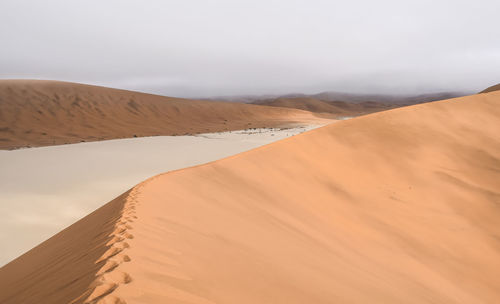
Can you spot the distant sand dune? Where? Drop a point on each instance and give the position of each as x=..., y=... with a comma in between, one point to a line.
x=41, y=113
x=337, y=108
x=491, y=89
x=399, y=206
x=350, y=105
x=67, y=261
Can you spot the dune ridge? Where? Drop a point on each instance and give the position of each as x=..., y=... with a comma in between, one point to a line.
x=400, y=206
x=109, y=277
x=42, y=112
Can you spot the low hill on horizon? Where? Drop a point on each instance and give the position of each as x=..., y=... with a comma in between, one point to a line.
x=337, y=108
x=400, y=206
x=350, y=105
x=42, y=112
x=390, y=99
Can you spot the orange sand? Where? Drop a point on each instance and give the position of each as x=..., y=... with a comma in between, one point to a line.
x=399, y=206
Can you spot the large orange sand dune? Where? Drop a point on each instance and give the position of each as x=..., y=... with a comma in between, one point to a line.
x=42, y=112
x=400, y=206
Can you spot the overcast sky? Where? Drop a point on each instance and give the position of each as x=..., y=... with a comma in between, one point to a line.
x=204, y=48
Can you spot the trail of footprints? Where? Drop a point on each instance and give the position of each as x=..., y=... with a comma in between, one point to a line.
x=109, y=277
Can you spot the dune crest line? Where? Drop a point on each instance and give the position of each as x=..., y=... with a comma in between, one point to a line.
x=110, y=277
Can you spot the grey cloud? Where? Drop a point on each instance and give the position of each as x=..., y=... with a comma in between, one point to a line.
x=204, y=47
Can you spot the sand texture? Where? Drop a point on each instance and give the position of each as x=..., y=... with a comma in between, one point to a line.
x=400, y=206
x=42, y=113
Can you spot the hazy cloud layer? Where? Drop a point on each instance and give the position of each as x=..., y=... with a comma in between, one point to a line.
x=201, y=48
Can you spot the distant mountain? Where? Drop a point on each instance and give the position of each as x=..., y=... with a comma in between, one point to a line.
x=347, y=104
x=338, y=108
x=402, y=99
x=240, y=98
x=386, y=98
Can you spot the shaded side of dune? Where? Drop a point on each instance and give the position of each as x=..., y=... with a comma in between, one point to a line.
x=41, y=113
x=64, y=268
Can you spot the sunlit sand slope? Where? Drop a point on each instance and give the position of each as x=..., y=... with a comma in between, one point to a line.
x=400, y=206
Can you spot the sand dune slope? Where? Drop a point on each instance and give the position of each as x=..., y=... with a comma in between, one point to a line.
x=41, y=113
x=491, y=89
x=400, y=206
x=337, y=108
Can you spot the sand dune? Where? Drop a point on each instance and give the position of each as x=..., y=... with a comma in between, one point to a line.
x=337, y=108
x=491, y=89
x=41, y=113
x=400, y=206
x=45, y=190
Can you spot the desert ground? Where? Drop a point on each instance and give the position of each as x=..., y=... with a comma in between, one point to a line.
x=45, y=190
x=399, y=206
